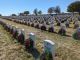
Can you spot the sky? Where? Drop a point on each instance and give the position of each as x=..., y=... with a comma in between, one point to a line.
x=8, y=7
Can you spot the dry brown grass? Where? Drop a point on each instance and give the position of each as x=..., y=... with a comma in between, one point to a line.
x=10, y=49
x=67, y=48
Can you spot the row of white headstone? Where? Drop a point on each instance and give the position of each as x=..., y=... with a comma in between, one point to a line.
x=39, y=18
x=49, y=46
x=62, y=25
x=44, y=18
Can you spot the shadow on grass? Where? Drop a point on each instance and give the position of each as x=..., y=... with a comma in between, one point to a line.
x=68, y=35
x=65, y=35
x=35, y=53
x=59, y=34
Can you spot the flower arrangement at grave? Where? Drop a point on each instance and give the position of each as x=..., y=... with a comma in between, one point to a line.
x=62, y=30
x=23, y=21
x=37, y=25
x=51, y=28
x=43, y=27
x=76, y=34
x=30, y=42
x=32, y=24
x=21, y=36
x=58, y=24
x=7, y=27
x=67, y=23
x=76, y=24
x=48, y=55
x=28, y=24
x=15, y=33
x=47, y=23
x=12, y=29
x=27, y=44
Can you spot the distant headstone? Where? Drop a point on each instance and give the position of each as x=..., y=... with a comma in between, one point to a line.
x=67, y=23
x=76, y=34
x=62, y=30
x=37, y=26
x=32, y=24
x=51, y=28
x=43, y=27
x=28, y=24
x=76, y=24
x=58, y=23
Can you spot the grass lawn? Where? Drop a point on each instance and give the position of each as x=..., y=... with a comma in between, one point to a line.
x=10, y=49
x=67, y=48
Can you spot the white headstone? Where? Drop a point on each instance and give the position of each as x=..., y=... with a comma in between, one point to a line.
x=76, y=22
x=52, y=25
x=22, y=31
x=78, y=30
x=63, y=26
x=67, y=22
x=49, y=46
x=32, y=37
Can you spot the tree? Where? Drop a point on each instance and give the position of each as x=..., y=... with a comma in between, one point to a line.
x=39, y=12
x=26, y=13
x=0, y=14
x=51, y=10
x=13, y=15
x=74, y=7
x=21, y=14
x=35, y=11
x=57, y=9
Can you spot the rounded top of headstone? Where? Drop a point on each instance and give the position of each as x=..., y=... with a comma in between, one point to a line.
x=31, y=33
x=67, y=21
x=19, y=31
x=78, y=30
x=44, y=24
x=16, y=27
x=63, y=25
x=22, y=29
x=38, y=22
x=51, y=25
x=12, y=25
x=76, y=22
x=7, y=23
x=32, y=36
x=49, y=41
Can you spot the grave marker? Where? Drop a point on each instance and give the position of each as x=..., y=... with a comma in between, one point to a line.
x=76, y=34
x=49, y=50
x=21, y=36
x=62, y=30
x=30, y=42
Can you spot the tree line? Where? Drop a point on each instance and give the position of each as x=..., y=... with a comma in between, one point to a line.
x=39, y=12
x=73, y=7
